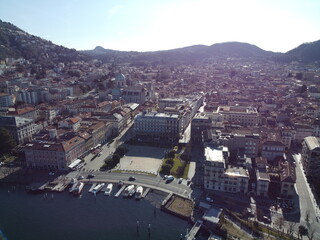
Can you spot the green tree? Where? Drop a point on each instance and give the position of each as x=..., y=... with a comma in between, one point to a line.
x=7, y=143
x=116, y=158
x=121, y=151
x=166, y=169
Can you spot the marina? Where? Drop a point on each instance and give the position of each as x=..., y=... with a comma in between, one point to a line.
x=84, y=214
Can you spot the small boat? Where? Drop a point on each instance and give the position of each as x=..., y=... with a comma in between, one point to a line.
x=108, y=189
x=92, y=187
x=139, y=192
x=78, y=189
x=73, y=187
x=128, y=190
x=132, y=192
x=97, y=188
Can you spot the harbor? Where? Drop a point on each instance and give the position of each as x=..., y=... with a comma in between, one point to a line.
x=106, y=215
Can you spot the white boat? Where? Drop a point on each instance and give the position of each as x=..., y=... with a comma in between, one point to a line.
x=139, y=192
x=92, y=187
x=132, y=192
x=128, y=190
x=78, y=188
x=97, y=188
x=73, y=187
x=108, y=189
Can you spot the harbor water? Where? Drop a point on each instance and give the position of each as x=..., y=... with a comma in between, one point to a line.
x=25, y=216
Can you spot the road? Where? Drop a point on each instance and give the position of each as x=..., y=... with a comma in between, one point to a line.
x=306, y=199
x=155, y=182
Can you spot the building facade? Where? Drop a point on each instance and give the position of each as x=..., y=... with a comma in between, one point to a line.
x=310, y=156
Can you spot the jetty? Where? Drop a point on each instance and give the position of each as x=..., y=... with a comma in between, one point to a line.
x=92, y=187
x=194, y=230
x=120, y=191
x=145, y=193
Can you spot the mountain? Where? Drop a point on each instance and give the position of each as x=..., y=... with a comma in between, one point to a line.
x=306, y=52
x=183, y=55
x=16, y=43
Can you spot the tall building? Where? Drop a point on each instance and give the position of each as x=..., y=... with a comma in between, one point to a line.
x=219, y=177
x=153, y=126
x=310, y=156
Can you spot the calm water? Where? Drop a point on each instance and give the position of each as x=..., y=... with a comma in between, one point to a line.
x=26, y=216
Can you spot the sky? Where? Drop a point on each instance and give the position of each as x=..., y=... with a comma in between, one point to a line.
x=150, y=25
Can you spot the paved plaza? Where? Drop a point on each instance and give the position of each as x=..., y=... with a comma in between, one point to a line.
x=142, y=159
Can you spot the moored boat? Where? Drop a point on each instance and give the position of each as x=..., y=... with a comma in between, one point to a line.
x=73, y=187
x=92, y=187
x=128, y=190
x=139, y=192
x=78, y=188
x=97, y=188
x=108, y=189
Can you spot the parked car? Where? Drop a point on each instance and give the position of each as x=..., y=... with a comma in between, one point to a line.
x=170, y=178
x=180, y=180
x=132, y=178
x=209, y=199
x=80, y=177
x=165, y=177
x=90, y=175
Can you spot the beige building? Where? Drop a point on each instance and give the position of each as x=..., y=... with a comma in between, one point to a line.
x=53, y=155
x=247, y=116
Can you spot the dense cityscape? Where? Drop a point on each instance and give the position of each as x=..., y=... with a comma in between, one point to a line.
x=231, y=142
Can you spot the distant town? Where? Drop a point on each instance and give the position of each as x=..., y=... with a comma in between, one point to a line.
x=236, y=137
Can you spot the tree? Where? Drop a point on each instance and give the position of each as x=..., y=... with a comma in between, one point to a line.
x=166, y=169
x=303, y=231
x=116, y=158
x=121, y=151
x=7, y=143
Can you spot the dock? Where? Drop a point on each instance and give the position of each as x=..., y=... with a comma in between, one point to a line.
x=194, y=230
x=92, y=187
x=120, y=191
x=164, y=202
x=145, y=193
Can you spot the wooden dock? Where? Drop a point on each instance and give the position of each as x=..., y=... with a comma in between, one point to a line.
x=194, y=230
x=145, y=193
x=120, y=191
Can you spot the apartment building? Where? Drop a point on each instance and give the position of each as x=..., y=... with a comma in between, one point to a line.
x=199, y=123
x=310, y=156
x=6, y=100
x=247, y=116
x=52, y=154
x=272, y=149
x=21, y=129
x=219, y=177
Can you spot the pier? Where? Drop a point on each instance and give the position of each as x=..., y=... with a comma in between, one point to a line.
x=120, y=191
x=92, y=187
x=145, y=193
x=194, y=230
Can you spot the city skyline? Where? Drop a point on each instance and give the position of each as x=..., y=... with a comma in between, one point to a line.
x=162, y=25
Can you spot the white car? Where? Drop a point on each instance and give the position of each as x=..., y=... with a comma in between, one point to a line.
x=180, y=180
x=51, y=173
x=209, y=199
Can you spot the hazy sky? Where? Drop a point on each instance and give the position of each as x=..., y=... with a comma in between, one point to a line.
x=148, y=25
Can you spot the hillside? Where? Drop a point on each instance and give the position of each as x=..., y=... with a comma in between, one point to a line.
x=306, y=52
x=16, y=43
x=189, y=54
